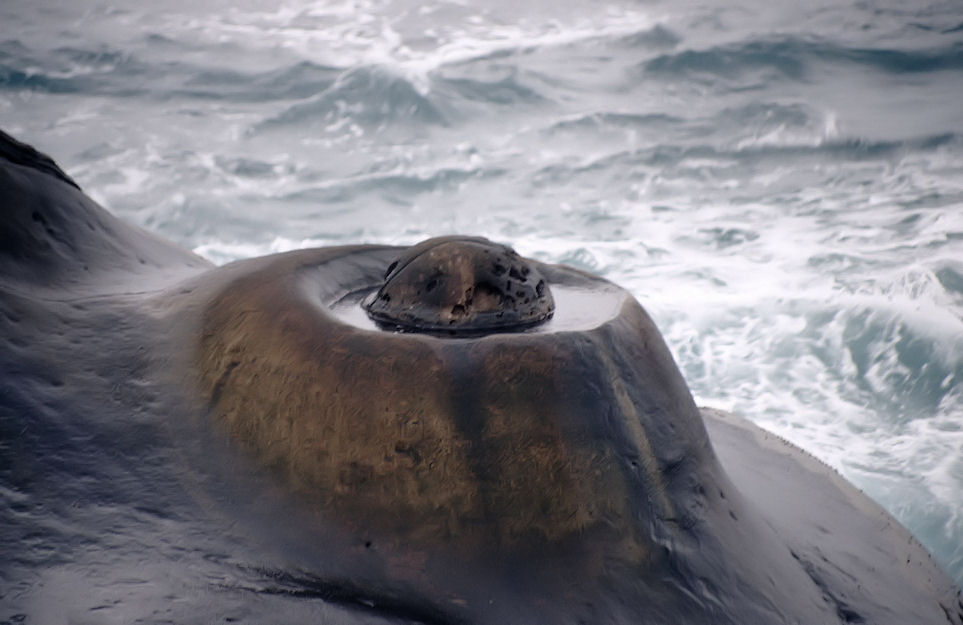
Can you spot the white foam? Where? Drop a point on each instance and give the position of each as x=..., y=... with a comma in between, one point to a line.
x=353, y=33
x=783, y=280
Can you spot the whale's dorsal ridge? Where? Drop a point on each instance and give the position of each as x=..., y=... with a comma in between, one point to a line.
x=22, y=154
x=52, y=235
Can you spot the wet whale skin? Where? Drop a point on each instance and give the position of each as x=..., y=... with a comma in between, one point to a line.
x=189, y=443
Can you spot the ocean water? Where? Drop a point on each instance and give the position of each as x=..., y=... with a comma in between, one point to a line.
x=779, y=183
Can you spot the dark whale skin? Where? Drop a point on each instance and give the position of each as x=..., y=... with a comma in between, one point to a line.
x=188, y=443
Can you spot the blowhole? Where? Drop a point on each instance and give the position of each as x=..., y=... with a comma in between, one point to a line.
x=475, y=287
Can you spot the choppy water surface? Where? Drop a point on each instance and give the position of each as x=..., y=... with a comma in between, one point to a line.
x=779, y=183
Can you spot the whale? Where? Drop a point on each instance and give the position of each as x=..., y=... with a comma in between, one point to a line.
x=442, y=433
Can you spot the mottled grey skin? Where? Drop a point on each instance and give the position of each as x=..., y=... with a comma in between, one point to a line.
x=317, y=471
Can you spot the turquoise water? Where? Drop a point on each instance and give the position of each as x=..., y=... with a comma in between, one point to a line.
x=779, y=183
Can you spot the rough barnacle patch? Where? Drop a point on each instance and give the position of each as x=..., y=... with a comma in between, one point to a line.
x=461, y=285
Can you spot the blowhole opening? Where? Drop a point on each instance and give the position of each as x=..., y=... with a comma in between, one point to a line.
x=461, y=285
